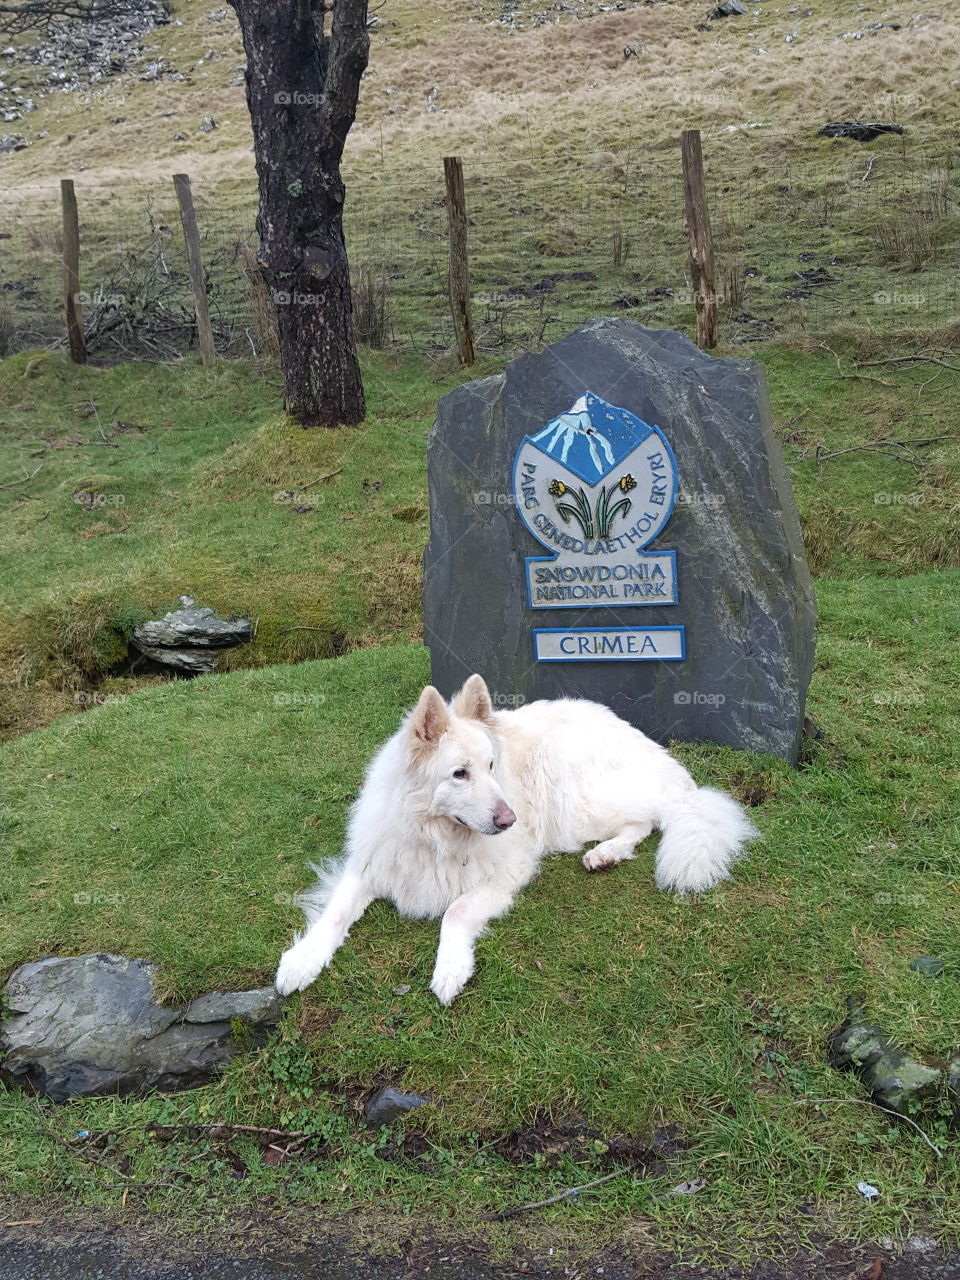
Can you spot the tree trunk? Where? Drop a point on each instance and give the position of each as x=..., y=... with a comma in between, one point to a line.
x=302, y=88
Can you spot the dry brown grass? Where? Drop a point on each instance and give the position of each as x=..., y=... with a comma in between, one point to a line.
x=561, y=94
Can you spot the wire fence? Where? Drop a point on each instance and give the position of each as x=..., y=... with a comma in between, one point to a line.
x=865, y=237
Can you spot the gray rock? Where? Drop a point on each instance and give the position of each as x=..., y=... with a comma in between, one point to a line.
x=190, y=627
x=389, y=1104
x=896, y=1078
x=745, y=595
x=858, y=130
x=84, y=1025
x=264, y=1004
x=207, y=125
x=195, y=661
x=728, y=9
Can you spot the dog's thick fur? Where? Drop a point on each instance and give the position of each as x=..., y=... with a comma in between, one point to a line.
x=459, y=806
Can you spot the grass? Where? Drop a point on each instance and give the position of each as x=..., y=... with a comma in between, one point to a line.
x=143, y=482
x=597, y=997
x=192, y=481
x=149, y=825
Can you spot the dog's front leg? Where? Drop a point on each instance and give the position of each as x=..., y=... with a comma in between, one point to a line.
x=463, y=922
x=302, y=962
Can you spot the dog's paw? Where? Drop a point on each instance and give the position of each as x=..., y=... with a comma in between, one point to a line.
x=297, y=970
x=449, y=979
x=600, y=859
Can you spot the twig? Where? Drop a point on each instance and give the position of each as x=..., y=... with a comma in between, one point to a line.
x=23, y=481
x=793, y=421
x=321, y=479
x=861, y=377
x=234, y=1128
x=866, y=174
x=540, y=1204
x=868, y=1102
x=914, y=359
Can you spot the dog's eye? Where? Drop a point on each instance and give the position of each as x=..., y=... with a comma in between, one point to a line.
x=460, y=774
x=491, y=766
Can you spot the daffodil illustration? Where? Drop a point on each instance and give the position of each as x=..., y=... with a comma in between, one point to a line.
x=606, y=514
x=578, y=506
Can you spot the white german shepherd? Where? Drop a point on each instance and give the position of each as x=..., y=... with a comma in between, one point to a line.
x=460, y=805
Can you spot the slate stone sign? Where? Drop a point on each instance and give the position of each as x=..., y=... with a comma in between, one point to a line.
x=612, y=519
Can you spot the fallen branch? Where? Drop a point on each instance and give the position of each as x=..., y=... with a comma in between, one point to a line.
x=233, y=1128
x=563, y=1195
x=321, y=479
x=793, y=421
x=912, y=359
x=23, y=481
x=846, y=377
x=868, y=1102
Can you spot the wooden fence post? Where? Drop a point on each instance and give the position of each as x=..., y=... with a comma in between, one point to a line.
x=71, y=272
x=459, y=274
x=702, y=266
x=195, y=263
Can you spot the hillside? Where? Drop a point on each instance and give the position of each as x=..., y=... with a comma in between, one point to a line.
x=512, y=85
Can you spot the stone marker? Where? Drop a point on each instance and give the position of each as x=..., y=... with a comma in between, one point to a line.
x=85, y=1025
x=612, y=519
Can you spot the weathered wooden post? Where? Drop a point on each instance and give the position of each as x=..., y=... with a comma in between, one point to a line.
x=198, y=287
x=697, y=214
x=459, y=274
x=71, y=272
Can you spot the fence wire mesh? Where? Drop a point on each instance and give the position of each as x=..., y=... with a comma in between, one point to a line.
x=870, y=238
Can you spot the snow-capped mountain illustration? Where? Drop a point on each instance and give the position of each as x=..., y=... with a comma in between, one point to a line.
x=592, y=437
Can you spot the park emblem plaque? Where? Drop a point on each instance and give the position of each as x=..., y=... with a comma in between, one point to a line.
x=611, y=518
x=595, y=486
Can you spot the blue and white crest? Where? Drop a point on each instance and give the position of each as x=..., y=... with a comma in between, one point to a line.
x=592, y=438
x=595, y=486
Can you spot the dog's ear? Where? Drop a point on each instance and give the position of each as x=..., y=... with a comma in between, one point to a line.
x=428, y=722
x=473, y=701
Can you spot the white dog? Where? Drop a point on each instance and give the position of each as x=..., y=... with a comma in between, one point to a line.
x=460, y=805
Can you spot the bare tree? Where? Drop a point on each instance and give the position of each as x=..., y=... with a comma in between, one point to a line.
x=304, y=65
x=28, y=14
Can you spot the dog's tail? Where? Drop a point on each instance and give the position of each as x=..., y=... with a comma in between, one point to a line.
x=704, y=831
